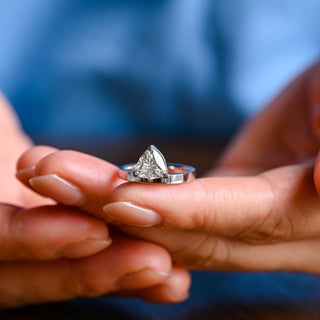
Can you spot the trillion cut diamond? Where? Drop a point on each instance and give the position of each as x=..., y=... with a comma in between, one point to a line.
x=151, y=165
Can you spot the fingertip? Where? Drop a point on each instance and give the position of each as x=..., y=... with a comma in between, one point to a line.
x=69, y=177
x=64, y=232
x=30, y=158
x=144, y=205
x=94, y=176
x=174, y=290
x=142, y=278
x=59, y=189
x=24, y=175
x=145, y=254
x=179, y=282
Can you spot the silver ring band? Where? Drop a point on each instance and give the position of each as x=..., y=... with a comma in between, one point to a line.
x=152, y=167
x=177, y=173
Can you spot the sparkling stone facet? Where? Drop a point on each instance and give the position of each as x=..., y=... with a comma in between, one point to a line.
x=151, y=165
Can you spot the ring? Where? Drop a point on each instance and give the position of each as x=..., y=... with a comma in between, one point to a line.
x=153, y=168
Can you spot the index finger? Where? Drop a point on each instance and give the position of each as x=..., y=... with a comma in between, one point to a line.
x=69, y=177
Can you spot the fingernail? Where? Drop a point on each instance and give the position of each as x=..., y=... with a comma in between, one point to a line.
x=129, y=213
x=54, y=187
x=25, y=174
x=142, y=279
x=84, y=248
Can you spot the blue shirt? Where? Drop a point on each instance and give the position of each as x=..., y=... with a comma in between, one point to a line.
x=119, y=68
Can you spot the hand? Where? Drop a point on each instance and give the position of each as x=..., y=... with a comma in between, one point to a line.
x=51, y=252
x=266, y=221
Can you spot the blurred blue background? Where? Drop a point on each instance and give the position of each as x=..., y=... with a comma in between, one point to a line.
x=108, y=70
x=80, y=72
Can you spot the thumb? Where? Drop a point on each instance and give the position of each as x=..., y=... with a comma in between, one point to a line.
x=223, y=206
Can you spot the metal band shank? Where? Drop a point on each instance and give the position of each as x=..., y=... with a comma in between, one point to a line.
x=177, y=173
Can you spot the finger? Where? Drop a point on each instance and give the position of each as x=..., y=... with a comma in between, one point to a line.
x=280, y=204
x=286, y=132
x=209, y=252
x=37, y=282
x=258, y=208
x=50, y=232
x=173, y=289
x=25, y=167
x=72, y=178
x=26, y=162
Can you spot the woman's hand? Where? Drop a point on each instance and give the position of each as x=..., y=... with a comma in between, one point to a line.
x=267, y=219
x=53, y=252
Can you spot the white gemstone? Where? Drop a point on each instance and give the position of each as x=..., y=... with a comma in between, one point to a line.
x=151, y=165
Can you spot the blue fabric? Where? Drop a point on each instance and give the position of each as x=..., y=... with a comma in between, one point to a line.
x=214, y=295
x=114, y=68
x=212, y=291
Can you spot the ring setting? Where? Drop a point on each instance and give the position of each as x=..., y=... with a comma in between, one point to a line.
x=153, y=168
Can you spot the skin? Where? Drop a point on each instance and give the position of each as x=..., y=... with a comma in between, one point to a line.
x=51, y=252
x=258, y=209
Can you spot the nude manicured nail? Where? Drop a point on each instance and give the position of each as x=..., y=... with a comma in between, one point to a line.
x=142, y=278
x=54, y=187
x=25, y=174
x=129, y=213
x=84, y=248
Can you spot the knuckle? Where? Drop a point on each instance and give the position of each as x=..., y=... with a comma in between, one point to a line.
x=85, y=282
x=274, y=225
x=272, y=229
x=219, y=255
x=206, y=252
